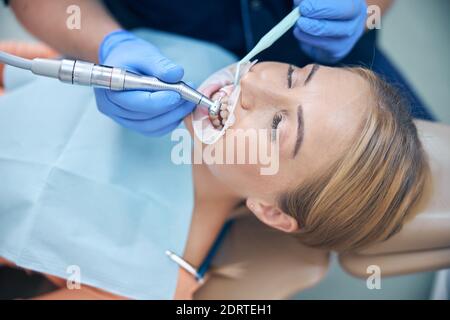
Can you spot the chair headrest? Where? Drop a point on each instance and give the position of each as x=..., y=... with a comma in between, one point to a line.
x=423, y=243
x=268, y=264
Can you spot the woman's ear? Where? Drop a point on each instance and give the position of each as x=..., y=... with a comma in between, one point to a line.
x=271, y=215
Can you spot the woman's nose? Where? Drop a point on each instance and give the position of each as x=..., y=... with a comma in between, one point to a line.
x=247, y=102
x=254, y=91
x=245, y=79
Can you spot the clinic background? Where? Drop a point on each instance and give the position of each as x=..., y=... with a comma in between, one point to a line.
x=416, y=36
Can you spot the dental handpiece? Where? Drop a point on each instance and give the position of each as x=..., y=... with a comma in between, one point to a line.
x=89, y=74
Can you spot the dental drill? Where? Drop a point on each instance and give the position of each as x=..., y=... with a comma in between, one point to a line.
x=89, y=74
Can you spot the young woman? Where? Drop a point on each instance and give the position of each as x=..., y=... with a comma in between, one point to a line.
x=351, y=173
x=351, y=165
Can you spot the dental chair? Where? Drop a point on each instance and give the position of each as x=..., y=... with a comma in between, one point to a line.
x=424, y=243
x=273, y=265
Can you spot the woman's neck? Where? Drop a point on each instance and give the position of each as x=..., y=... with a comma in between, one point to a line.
x=209, y=189
x=214, y=203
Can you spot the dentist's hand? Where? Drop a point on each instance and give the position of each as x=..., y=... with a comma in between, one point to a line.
x=150, y=113
x=328, y=29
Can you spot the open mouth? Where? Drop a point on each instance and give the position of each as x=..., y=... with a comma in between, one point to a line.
x=223, y=96
x=218, y=87
x=210, y=128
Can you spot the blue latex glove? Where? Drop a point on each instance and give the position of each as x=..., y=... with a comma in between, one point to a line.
x=328, y=29
x=150, y=113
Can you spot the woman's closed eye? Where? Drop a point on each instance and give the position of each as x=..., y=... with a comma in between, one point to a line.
x=276, y=120
x=278, y=117
x=289, y=76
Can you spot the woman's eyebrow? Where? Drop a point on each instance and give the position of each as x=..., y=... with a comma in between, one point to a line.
x=300, y=131
x=311, y=74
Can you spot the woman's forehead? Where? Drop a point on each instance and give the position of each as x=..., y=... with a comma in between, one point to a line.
x=333, y=109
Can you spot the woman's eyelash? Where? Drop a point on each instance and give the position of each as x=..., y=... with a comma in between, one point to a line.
x=289, y=75
x=278, y=117
x=276, y=121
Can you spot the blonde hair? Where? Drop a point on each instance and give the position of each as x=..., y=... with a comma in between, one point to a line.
x=372, y=190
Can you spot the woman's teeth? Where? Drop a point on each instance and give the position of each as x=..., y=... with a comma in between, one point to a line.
x=224, y=114
x=219, y=121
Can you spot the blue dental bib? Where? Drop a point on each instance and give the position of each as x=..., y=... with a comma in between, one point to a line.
x=80, y=193
x=78, y=190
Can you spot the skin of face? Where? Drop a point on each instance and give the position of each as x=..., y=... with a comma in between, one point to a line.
x=333, y=102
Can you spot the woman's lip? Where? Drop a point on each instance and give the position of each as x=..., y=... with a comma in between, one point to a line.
x=210, y=89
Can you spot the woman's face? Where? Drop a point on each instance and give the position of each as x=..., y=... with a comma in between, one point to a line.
x=316, y=112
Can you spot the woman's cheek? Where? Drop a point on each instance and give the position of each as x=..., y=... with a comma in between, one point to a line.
x=244, y=179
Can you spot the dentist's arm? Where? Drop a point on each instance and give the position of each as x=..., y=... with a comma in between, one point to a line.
x=46, y=19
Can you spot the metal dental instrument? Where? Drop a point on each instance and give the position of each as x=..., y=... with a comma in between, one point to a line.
x=90, y=74
x=268, y=39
